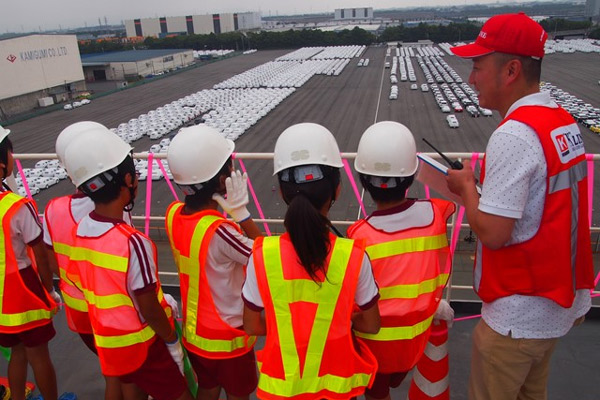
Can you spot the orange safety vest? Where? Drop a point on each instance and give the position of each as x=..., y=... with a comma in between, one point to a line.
x=100, y=265
x=204, y=332
x=309, y=351
x=411, y=268
x=60, y=223
x=557, y=260
x=20, y=308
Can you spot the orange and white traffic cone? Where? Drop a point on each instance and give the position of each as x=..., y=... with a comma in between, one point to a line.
x=430, y=380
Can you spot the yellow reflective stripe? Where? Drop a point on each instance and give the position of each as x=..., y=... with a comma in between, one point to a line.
x=113, y=342
x=289, y=388
x=18, y=319
x=191, y=266
x=106, y=302
x=402, y=246
x=61, y=248
x=282, y=293
x=412, y=291
x=99, y=259
x=218, y=345
x=14, y=319
x=75, y=304
x=398, y=333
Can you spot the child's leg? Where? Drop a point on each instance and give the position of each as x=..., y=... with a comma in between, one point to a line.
x=130, y=391
x=43, y=370
x=208, y=394
x=112, y=389
x=17, y=372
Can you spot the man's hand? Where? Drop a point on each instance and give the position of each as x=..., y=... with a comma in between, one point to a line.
x=461, y=181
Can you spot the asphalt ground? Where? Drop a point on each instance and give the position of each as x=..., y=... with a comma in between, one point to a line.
x=346, y=104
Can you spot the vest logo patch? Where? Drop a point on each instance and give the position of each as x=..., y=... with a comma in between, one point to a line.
x=568, y=142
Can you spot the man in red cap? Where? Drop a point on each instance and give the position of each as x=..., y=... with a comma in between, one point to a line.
x=533, y=268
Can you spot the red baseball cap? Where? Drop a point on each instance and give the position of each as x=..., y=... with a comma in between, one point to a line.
x=507, y=33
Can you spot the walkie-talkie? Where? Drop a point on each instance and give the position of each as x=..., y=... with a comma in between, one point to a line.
x=453, y=164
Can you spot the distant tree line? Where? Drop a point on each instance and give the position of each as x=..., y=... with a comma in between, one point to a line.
x=264, y=40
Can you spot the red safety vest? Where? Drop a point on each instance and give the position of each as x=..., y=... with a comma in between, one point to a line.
x=204, y=332
x=100, y=265
x=20, y=308
x=411, y=268
x=309, y=351
x=61, y=223
x=557, y=260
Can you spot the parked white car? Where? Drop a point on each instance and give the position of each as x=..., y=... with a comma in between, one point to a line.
x=452, y=121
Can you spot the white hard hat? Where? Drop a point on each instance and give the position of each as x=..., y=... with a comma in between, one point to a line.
x=196, y=154
x=306, y=144
x=387, y=149
x=3, y=133
x=92, y=153
x=66, y=136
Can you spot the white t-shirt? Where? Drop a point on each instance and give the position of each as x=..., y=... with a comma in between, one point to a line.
x=228, y=252
x=366, y=289
x=142, y=268
x=410, y=214
x=25, y=230
x=515, y=187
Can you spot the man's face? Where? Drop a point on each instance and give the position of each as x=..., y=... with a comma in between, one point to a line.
x=485, y=77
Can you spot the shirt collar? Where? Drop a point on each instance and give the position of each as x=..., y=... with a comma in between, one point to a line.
x=536, y=99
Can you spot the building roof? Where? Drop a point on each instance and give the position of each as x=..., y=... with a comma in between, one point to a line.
x=127, y=56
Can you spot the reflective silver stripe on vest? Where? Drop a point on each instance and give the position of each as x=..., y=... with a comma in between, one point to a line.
x=567, y=179
x=477, y=272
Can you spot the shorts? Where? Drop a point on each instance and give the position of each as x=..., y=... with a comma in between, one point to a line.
x=35, y=336
x=383, y=383
x=88, y=340
x=237, y=376
x=158, y=376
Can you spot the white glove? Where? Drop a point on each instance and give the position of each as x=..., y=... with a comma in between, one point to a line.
x=177, y=353
x=173, y=304
x=56, y=297
x=237, y=196
x=445, y=312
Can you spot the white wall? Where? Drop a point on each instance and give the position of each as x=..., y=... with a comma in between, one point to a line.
x=37, y=62
x=176, y=24
x=203, y=24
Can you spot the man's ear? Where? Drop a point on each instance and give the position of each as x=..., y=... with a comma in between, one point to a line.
x=513, y=69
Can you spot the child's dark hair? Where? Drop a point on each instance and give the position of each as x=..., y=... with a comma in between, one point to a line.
x=202, y=194
x=307, y=227
x=397, y=191
x=113, y=180
x=5, y=147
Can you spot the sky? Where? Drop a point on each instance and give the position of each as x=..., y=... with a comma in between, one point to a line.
x=33, y=15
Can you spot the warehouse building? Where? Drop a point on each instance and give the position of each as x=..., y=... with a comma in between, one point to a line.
x=353, y=13
x=193, y=24
x=37, y=71
x=125, y=66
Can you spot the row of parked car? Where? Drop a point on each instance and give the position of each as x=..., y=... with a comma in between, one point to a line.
x=76, y=104
x=585, y=113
